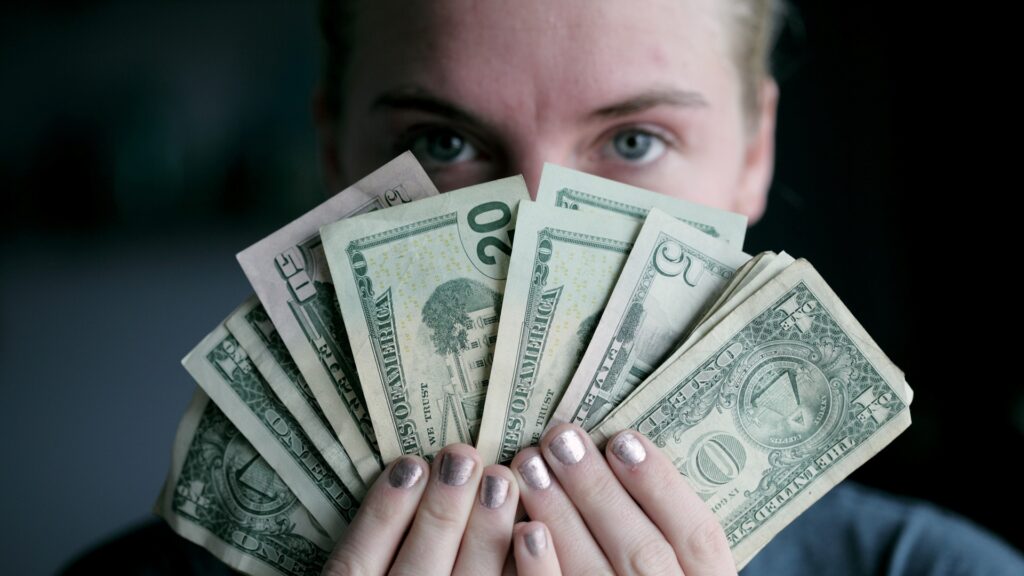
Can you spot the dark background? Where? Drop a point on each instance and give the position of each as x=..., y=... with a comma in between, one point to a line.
x=144, y=143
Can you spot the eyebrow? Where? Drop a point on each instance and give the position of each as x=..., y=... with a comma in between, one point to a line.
x=652, y=99
x=412, y=98
x=415, y=98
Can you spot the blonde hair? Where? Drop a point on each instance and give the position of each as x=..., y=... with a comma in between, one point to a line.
x=756, y=26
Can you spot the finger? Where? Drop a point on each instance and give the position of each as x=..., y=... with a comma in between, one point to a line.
x=485, y=544
x=534, y=552
x=669, y=501
x=544, y=501
x=630, y=540
x=370, y=542
x=442, y=515
x=509, y=569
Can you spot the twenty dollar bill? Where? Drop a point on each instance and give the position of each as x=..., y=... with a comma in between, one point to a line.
x=563, y=268
x=420, y=288
x=564, y=188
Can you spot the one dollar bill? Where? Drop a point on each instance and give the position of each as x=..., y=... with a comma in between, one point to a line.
x=773, y=407
x=223, y=370
x=251, y=326
x=222, y=495
x=289, y=273
x=420, y=288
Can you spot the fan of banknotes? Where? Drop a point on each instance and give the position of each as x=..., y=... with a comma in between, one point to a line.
x=393, y=320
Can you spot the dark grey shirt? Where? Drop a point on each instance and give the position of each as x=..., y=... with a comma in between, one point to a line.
x=852, y=530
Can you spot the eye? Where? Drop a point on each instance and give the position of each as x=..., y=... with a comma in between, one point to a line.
x=635, y=146
x=440, y=147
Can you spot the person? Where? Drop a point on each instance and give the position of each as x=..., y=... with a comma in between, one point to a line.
x=676, y=96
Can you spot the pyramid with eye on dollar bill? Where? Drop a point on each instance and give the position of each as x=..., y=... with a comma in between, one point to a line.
x=394, y=320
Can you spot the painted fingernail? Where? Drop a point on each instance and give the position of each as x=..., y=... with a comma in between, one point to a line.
x=456, y=469
x=568, y=447
x=628, y=448
x=535, y=473
x=536, y=540
x=494, y=491
x=405, y=473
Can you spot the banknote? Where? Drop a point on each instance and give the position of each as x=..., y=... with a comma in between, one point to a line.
x=289, y=274
x=762, y=268
x=223, y=370
x=738, y=279
x=420, y=289
x=251, y=326
x=671, y=275
x=773, y=407
x=565, y=188
x=222, y=495
x=766, y=266
x=564, y=266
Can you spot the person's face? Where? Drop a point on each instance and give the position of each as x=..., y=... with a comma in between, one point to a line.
x=640, y=92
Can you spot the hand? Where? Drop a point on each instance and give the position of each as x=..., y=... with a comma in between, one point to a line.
x=629, y=513
x=456, y=524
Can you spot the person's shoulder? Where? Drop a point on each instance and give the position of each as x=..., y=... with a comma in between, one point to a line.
x=854, y=529
x=149, y=549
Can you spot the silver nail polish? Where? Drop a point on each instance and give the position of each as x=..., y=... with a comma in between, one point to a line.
x=535, y=473
x=628, y=448
x=456, y=469
x=405, y=473
x=536, y=540
x=568, y=447
x=494, y=491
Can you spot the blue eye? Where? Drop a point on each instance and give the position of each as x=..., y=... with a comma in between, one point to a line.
x=636, y=146
x=441, y=146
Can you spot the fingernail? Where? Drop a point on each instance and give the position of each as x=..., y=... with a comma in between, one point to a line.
x=536, y=540
x=535, y=473
x=494, y=491
x=628, y=448
x=568, y=447
x=405, y=473
x=456, y=469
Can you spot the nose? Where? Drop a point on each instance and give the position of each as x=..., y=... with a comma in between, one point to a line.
x=531, y=171
x=529, y=162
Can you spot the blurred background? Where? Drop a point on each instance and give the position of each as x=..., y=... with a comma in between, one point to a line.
x=144, y=143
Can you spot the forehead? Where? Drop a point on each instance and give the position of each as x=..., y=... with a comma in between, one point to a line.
x=567, y=55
